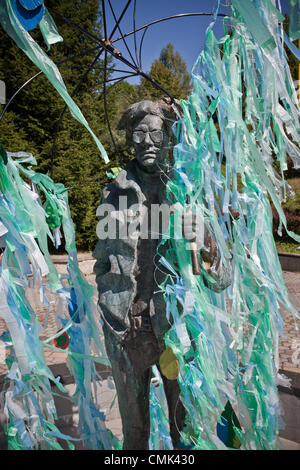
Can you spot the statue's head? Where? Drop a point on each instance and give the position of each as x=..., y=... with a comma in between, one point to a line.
x=148, y=126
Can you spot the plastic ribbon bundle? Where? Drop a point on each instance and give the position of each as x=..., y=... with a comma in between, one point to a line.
x=26, y=399
x=242, y=116
x=159, y=424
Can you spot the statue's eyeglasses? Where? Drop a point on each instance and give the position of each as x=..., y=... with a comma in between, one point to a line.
x=139, y=136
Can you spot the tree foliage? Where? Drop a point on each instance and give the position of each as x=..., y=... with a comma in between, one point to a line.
x=170, y=72
x=175, y=64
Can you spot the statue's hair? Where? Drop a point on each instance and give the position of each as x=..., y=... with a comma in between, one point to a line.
x=162, y=108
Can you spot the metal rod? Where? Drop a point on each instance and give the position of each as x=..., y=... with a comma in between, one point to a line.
x=83, y=182
x=109, y=48
x=115, y=53
x=119, y=79
x=123, y=78
x=97, y=68
x=82, y=30
x=16, y=93
x=141, y=46
x=299, y=72
x=119, y=20
x=135, y=45
x=104, y=19
x=105, y=104
x=119, y=29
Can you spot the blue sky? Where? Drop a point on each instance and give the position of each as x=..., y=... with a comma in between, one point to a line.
x=186, y=34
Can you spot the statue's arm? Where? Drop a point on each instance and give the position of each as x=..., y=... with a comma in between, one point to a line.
x=102, y=265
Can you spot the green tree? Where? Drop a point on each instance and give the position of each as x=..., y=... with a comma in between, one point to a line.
x=175, y=63
x=170, y=72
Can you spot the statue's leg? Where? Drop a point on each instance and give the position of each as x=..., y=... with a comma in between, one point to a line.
x=132, y=385
x=176, y=409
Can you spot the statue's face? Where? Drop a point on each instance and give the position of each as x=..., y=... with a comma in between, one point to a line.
x=150, y=141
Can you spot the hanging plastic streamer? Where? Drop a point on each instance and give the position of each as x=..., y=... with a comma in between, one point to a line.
x=26, y=399
x=159, y=424
x=294, y=15
x=241, y=116
x=13, y=27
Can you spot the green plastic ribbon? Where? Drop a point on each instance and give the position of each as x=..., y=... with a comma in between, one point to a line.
x=49, y=30
x=294, y=16
x=254, y=23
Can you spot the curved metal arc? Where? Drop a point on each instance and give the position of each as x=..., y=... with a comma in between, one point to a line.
x=103, y=45
x=141, y=46
x=82, y=30
x=118, y=56
x=105, y=103
x=112, y=69
x=160, y=20
x=17, y=92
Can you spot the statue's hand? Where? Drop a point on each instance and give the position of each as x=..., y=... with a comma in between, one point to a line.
x=189, y=226
x=193, y=231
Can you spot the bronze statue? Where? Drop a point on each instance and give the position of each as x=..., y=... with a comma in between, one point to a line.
x=132, y=307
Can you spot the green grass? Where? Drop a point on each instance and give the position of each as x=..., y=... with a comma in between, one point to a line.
x=283, y=247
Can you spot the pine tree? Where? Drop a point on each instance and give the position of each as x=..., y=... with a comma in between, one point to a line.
x=175, y=63
x=170, y=72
